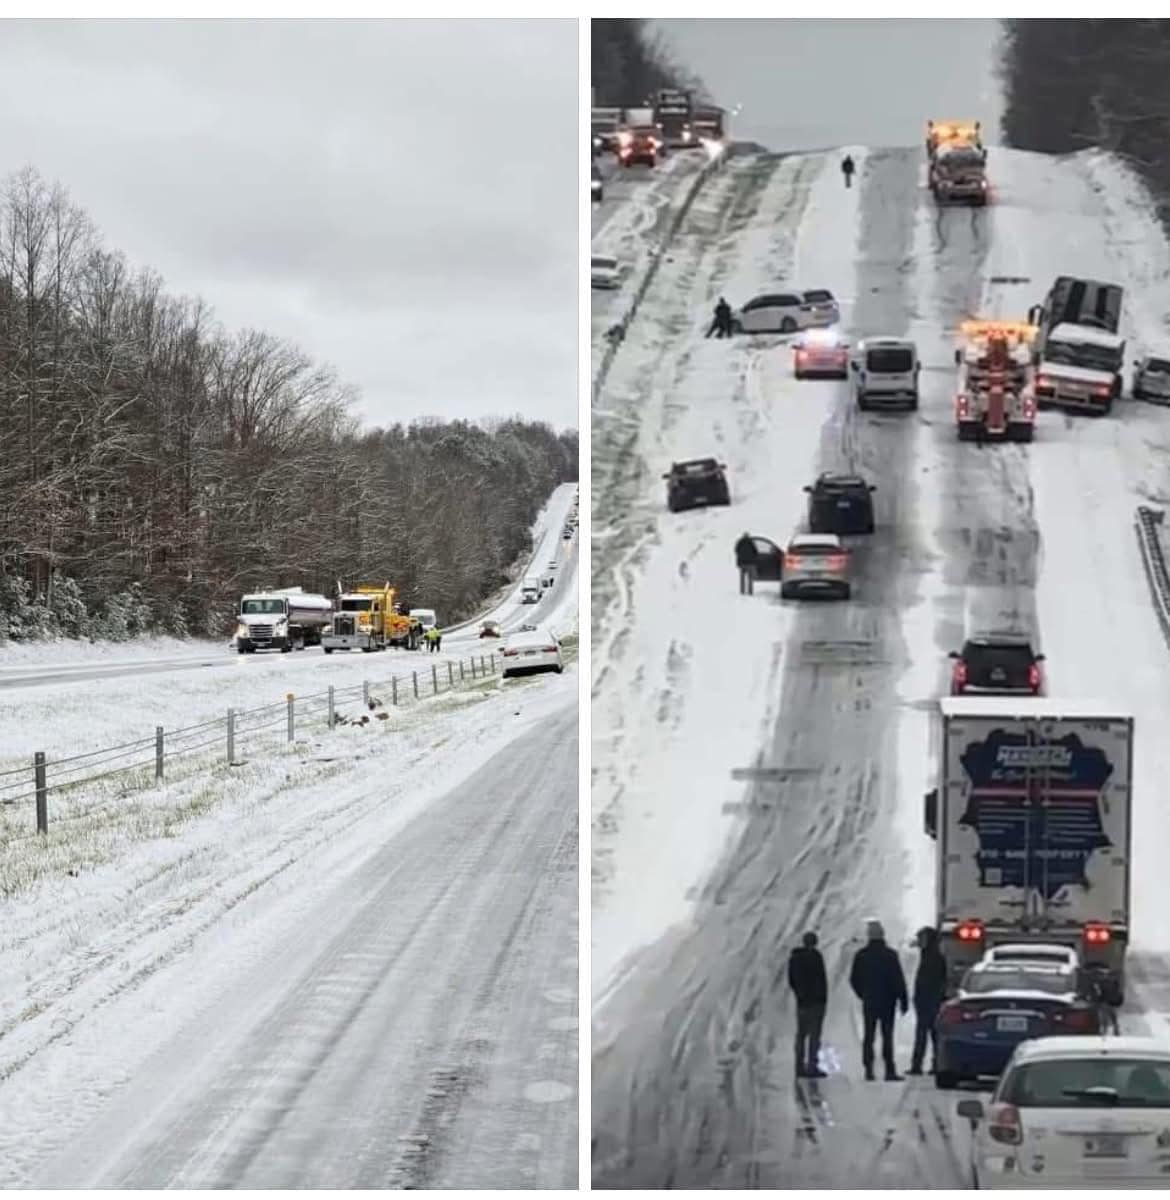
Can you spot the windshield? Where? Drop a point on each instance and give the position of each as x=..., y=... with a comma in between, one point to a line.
x=1159, y=366
x=818, y=296
x=1068, y=1083
x=606, y=264
x=354, y=605
x=423, y=614
x=1019, y=979
x=892, y=361
x=962, y=160
x=1083, y=354
x=263, y=606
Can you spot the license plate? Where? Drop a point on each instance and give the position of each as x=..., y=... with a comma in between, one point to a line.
x=530, y=653
x=997, y=674
x=843, y=504
x=1106, y=1145
x=1012, y=1024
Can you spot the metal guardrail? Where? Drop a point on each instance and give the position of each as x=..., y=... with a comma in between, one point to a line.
x=36, y=780
x=617, y=333
x=1150, y=544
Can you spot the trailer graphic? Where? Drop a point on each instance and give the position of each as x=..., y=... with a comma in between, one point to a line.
x=1035, y=806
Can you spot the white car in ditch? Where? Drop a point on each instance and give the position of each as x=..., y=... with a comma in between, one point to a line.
x=1151, y=379
x=532, y=650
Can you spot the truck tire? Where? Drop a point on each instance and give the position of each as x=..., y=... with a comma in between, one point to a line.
x=328, y=649
x=1021, y=433
x=242, y=649
x=286, y=648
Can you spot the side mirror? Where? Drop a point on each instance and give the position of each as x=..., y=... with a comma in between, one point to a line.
x=952, y=654
x=873, y=487
x=1040, y=657
x=930, y=813
x=1034, y=314
x=971, y=1109
x=806, y=488
x=667, y=475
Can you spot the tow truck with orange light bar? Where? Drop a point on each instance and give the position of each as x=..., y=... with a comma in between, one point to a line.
x=952, y=133
x=1032, y=819
x=995, y=397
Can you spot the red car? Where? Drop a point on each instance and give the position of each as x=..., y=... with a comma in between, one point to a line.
x=820, y=354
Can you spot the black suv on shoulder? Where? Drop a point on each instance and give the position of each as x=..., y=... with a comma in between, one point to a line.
x=997, y=664
x=840, y=504
x=694, y=483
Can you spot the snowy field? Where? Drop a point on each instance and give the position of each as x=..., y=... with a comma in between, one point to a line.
x=704, y=873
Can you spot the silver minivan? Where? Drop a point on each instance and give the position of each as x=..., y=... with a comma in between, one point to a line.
x=885, y=373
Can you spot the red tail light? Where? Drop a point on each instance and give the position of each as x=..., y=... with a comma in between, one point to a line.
x=548, y=649
x=1003, y=1124
x=793, y=560
x=1034, y=677
x=1097, y=935
x=800, y=355
x=1029, y=407
x=1102, y=391
x=1081, y=1020
x=960, y=674
x=962, y=405
x=1043, y=382
x=956, y=1013
x=970, y=931
x=837, y=562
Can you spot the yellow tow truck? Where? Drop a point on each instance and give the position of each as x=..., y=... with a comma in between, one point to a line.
x=368, y=618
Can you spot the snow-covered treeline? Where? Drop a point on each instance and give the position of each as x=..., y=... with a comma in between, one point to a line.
x=155, y=466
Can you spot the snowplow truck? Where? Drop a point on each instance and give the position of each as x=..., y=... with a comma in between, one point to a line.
x=285, y=619
x=958, y=175
x=367, y=619
x=953, y=133
x=995, y=398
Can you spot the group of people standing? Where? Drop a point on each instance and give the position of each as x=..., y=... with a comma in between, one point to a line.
x=878, y=982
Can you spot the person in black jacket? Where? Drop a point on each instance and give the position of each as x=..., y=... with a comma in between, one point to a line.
x=807, y=979
x=746, y=558
x=721, y=325
x=847, y=169
x=930, y=988
x=878, y=982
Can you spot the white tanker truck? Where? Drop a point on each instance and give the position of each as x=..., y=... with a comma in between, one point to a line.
x=284, y=620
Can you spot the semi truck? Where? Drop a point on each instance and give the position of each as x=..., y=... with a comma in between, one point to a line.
x=368, y=619
x=1078, y=351
x=285, y=619
x=673, y=114
x=1032, y=818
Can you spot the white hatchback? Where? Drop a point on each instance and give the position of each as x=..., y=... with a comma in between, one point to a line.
x=1076, y=1112
x=604, y=272
x=532, y=650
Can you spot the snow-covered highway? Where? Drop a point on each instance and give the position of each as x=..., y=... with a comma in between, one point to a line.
x=758, y=767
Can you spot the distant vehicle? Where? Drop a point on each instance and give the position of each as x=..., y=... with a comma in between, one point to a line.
x=940, y=134
x=997, y=664
x=532, y=649
x=885, y=373
x=1151, y=379
x=641, y=144
x=696, y=482
x=815, y=563
x=426, y=616
x=840, y=504
x=673, y=109
x=777, y=312
x=1033, y=952
x=604, y=272
x=596, y=184
x=530, y=590
x=820, y=353
x=549, y=577
x=709, y=124
x=1000, y=1005
x=958, y=175
x=490, y=629
x=1070, y=1109
x=567, y=533
x=605, y=123
x=527, y=628
x=820, y=308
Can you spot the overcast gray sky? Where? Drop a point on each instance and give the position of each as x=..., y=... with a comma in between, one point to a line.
x=806, y=84
x=400, y=198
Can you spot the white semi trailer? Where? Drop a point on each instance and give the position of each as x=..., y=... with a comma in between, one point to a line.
x=287, y=619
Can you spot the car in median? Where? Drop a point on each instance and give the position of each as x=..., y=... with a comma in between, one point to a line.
x=532, y=649
x=776, y=312
x=1075, y=1112
x=820, y=353
x=999, y=1005
x=840, y=504
x=1151, y=379
x=997, y=663
x=696, y=482
x=604, y=272
x=816, y=564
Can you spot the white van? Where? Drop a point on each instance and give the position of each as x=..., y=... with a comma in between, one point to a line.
x=885, y=373
x=530, y=590
x=426, y=616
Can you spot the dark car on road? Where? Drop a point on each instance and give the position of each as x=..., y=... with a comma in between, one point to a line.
x=696, y=482
x=997, y=664
x=840, y=504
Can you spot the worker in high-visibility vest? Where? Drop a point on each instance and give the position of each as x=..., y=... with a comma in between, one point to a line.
x=434, y=637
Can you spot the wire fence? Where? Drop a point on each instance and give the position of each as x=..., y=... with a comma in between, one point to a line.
x=143, y=761
x=1154, y=560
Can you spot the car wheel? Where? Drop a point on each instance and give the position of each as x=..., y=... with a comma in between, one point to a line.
x=946, y=1080
x=797, y=374
x=786, y=592
x=862, y=402
x=328, y=649
x=788, y=325
x=1023, y=433
x=242, y=649
x=559, y=670
x=847, y=593
x=869, y=528
x=1106, y=408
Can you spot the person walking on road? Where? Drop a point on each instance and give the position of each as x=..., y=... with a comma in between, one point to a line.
x=721, y=325
x=810, y=986
x=930, y=988
x=745, y=559
x=878, y=982
x=847, y=169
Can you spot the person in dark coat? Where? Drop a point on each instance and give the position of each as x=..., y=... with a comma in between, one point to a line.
x=746, y=558
x=878, y=982
x=847, y=169
x=810, y=986
x=930, y=988
x=721, y=325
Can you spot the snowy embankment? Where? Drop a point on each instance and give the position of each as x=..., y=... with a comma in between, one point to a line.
x=673, y=712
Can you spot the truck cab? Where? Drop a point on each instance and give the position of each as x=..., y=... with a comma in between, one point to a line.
x=530, y=590
x=1080, y=368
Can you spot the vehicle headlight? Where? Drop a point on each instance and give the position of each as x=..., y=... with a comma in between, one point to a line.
x=242, y=630
x=282, y=625
x=596, y=185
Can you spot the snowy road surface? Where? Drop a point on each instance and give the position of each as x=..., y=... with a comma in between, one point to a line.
x=404, y=1016
x=759, y=767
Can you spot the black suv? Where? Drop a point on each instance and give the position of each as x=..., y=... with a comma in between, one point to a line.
x=699, y=481
x=840, y=504
x=997, y=664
